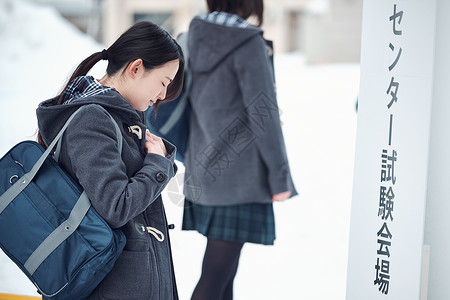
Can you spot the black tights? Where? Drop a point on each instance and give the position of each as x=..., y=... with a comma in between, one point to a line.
x=220, y=264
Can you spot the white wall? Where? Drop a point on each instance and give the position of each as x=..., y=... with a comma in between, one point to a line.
x=437, y=224
x=334, y=35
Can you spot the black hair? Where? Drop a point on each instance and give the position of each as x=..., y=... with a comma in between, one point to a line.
x=144, y=40
x=242, y=8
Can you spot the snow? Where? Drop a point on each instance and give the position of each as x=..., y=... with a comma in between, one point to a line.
x=317, y=104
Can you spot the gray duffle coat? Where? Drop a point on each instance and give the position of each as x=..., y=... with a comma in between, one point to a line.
x=124, y=189
x=236, y=152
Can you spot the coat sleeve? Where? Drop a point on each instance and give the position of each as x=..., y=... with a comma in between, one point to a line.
x=257, y=85
x=92, y=154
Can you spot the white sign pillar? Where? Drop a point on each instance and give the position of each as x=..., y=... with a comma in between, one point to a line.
x=392, y=151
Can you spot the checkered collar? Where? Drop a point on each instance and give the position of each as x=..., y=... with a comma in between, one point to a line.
x=224, y=18
x=81, y=87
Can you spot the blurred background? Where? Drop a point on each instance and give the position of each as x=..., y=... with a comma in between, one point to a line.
x=317, y=51
x=325, y=31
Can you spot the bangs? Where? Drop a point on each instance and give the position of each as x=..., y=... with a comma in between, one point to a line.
x=175, y=87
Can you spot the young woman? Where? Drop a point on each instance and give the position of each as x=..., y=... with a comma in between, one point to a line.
x=145, y=67
x=236, y=163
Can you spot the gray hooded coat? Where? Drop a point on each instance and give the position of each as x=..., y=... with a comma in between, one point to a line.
x=124, y=189
x=236, y=152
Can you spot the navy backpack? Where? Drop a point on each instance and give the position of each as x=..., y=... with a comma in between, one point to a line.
x=48, y=227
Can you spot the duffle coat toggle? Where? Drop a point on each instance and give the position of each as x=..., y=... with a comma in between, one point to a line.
x=159, y=236
x=136, y=129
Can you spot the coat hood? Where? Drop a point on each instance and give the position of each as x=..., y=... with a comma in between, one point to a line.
x=52, y=117
x=218, y=41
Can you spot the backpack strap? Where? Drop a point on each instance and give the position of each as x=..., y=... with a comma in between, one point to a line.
x=118, y=133
x=59, y=235
x=23, y=182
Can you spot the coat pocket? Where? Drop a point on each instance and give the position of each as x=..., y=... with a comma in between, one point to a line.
x=134, y=277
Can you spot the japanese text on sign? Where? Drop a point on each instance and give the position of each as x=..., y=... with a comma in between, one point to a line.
x=388, y=177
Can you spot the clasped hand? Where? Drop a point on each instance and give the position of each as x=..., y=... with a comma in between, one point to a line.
x=154, y=144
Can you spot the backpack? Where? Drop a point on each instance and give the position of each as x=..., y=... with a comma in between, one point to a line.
x=48, y=226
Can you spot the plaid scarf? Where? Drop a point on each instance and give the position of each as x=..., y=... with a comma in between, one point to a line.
x=81, y=87
x=224, y=18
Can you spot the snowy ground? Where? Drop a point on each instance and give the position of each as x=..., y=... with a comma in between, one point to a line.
x=309, y=259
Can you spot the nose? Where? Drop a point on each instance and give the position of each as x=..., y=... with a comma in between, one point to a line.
x=162, y=94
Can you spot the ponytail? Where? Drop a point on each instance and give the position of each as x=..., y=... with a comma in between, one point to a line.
x=83, y=68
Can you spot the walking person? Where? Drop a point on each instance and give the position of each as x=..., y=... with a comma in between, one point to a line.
x=145, y=67
x=236, y=162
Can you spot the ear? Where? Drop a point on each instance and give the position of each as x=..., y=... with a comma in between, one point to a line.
x=135, y=68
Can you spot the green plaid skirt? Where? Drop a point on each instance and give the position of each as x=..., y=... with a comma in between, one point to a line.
x=253, y=223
